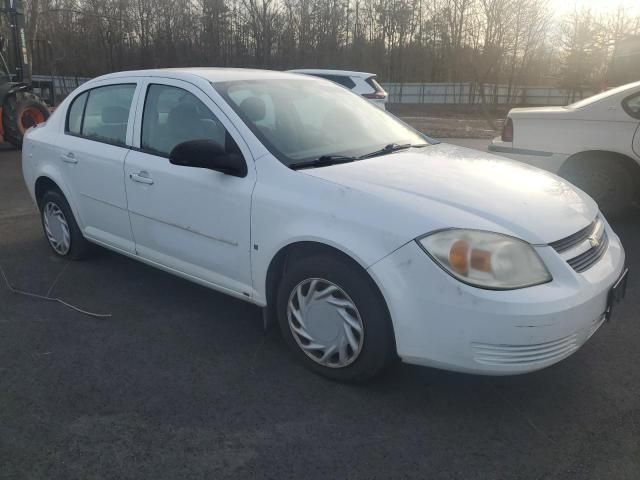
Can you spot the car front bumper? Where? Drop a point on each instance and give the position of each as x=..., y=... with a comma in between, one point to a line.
x=542, y=159
x=443, y=323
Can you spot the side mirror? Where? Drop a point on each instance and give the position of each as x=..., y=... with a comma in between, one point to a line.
x=208, y=154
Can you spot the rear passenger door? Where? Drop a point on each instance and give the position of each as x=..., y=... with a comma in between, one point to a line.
x=97, y=132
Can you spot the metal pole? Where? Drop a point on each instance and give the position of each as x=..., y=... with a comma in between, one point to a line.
x=15, y=13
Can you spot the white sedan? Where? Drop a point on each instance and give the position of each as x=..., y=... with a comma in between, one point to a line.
x=594, y=143
x=366, y=240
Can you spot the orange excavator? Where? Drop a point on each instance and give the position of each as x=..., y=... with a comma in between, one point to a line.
x=20, y=107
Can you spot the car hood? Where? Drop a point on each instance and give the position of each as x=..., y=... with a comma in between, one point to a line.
x=444, y=186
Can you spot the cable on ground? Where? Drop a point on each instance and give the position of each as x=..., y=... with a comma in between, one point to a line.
x=48, y=297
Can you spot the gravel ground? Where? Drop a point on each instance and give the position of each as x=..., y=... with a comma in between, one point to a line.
x=182, y=382
x=439, y=122
x=442, y=127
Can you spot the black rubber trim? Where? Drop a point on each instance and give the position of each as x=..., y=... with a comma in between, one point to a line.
x=519, y=151
x=97, y=140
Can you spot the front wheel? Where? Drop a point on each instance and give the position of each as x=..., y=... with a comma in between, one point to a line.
x=335, y=319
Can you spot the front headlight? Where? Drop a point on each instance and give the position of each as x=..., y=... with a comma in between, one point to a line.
x=486, y=259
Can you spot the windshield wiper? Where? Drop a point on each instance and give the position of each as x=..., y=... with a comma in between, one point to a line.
x=326, y=160
x=323, y=161
x=392, y=147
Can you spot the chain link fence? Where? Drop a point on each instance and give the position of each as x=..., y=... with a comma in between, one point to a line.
x=53, y=89
x=472, y=94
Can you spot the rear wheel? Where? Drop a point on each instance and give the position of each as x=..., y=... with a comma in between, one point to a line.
x=20, y=112
x=607, y=179
x=334, y=318
x=60, y=227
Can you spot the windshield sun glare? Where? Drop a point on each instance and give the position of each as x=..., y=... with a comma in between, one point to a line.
x=305, y=119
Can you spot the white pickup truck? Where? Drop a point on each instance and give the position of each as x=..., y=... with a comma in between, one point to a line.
x=594, y=143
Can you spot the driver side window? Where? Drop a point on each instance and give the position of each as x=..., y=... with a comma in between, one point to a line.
x=173, y=115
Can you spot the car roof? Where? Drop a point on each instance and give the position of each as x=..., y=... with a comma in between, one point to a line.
x=347, y=73
x=210, y=74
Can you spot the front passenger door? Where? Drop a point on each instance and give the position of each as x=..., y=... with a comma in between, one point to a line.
x=191, y=220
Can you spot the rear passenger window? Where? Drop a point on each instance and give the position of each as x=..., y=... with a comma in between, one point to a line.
x=173, y=115
x=102, y=114
x=107, y=113
x=74, y=117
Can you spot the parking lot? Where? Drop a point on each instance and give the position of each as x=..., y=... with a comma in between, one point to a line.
x=183, y=382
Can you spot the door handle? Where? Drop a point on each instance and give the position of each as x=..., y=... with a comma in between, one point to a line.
x=69, y=158
x=141, y=177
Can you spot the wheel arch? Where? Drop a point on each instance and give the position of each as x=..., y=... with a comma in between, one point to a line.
x=287, y=253
x=48, y=179
x=11, y=88
x=632, y=166
x=42, y=185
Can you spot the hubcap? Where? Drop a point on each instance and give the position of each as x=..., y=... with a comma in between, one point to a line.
x=57, y=228
x=325, y=323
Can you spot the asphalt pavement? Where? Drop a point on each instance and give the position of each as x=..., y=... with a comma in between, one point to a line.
x=183, y=382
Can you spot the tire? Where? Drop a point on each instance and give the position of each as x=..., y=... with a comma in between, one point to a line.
x=21, y=111
x=606, y=179
x=375, y=347
x=54, y=207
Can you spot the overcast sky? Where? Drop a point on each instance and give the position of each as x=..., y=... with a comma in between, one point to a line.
x=562, y=7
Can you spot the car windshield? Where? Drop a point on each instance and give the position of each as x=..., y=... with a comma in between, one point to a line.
x=306, y=119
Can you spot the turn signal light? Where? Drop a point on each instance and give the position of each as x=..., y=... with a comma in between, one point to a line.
x=459, y=257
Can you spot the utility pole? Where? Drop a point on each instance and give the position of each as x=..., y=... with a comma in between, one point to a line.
x=19, y=67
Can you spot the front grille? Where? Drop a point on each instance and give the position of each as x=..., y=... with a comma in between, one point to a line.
x=573, y=240
x=594, y=236
x=585, y=260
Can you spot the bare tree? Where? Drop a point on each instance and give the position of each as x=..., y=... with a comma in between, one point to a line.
x=478, y=41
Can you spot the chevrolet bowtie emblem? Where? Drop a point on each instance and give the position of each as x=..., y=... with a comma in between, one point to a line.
x=595, y=243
